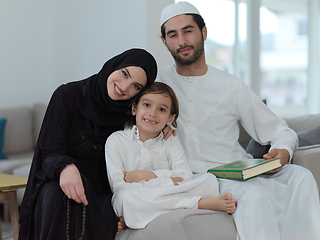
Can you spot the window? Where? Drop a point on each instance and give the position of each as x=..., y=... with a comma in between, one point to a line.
x=220, y=41
x=287, y=73
x=227, y=34
x=302, y=27
x=284, y=57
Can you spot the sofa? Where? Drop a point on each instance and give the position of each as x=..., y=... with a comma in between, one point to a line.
x=21, y=131
x=20, y=135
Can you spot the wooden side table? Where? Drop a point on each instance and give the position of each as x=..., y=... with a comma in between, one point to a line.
x=8, y=186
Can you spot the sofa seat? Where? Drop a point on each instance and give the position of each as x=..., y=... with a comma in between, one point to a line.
x=191, y=224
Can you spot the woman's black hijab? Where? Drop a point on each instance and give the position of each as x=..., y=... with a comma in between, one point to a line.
x=93, y=101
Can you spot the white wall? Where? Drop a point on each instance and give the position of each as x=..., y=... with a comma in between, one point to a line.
x=26, y=50
x=46, y=43
x=155, y=45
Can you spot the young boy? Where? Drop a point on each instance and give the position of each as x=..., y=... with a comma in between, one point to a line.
x=149, y=176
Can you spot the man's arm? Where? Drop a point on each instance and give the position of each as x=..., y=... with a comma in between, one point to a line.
x=265, y=127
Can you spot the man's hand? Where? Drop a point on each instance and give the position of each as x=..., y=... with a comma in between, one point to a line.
x=168, y=131
x=278, y=153
x=138, y=176
x=71, y=184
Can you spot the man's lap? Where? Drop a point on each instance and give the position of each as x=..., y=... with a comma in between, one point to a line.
x=274, y=200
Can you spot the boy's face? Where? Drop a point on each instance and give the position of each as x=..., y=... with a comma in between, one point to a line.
x=184, y=39
x=152, y=114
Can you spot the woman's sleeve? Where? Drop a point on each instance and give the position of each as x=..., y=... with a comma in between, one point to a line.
x=115, y=168
x=54, y=133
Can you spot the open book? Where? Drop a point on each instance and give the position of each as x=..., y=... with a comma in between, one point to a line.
x=244, y=169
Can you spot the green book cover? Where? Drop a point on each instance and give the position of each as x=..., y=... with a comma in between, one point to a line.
x=244, y=169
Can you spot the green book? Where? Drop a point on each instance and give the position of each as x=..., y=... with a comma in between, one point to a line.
x=244, y=169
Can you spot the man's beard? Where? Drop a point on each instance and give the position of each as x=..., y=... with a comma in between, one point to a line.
x=198, y=51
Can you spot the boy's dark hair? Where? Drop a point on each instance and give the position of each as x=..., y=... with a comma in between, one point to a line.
x=158, y=88
x=197, y=18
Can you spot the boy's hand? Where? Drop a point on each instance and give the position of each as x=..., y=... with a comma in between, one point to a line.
x=175, y=180
x=278, y=153
x=138, y=176
x=168, y=131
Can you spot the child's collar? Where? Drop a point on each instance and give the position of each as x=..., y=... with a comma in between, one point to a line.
x=135, y=134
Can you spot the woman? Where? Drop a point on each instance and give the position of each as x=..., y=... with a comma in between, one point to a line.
x=68, y=195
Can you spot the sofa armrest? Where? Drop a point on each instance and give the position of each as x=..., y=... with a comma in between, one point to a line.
x=309, y=157
x=7, y=166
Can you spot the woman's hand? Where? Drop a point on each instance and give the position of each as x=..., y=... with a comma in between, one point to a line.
x=121, y=224
x=168, y=131
x=71, y=184
x=138, y=176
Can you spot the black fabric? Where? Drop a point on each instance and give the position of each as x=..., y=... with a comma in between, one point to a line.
x=306, y=138
x=79, y=118
x=100, y=221
x=93, y=101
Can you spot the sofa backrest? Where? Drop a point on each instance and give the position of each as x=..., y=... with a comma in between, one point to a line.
x=22, y=127
x=304, y=122
x=298, y=124
x=18, y=134
x=39, y=109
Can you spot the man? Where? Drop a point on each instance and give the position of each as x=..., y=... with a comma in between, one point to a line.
x=283, y=204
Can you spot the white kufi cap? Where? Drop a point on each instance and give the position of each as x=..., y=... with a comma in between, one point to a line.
x=176, y=9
